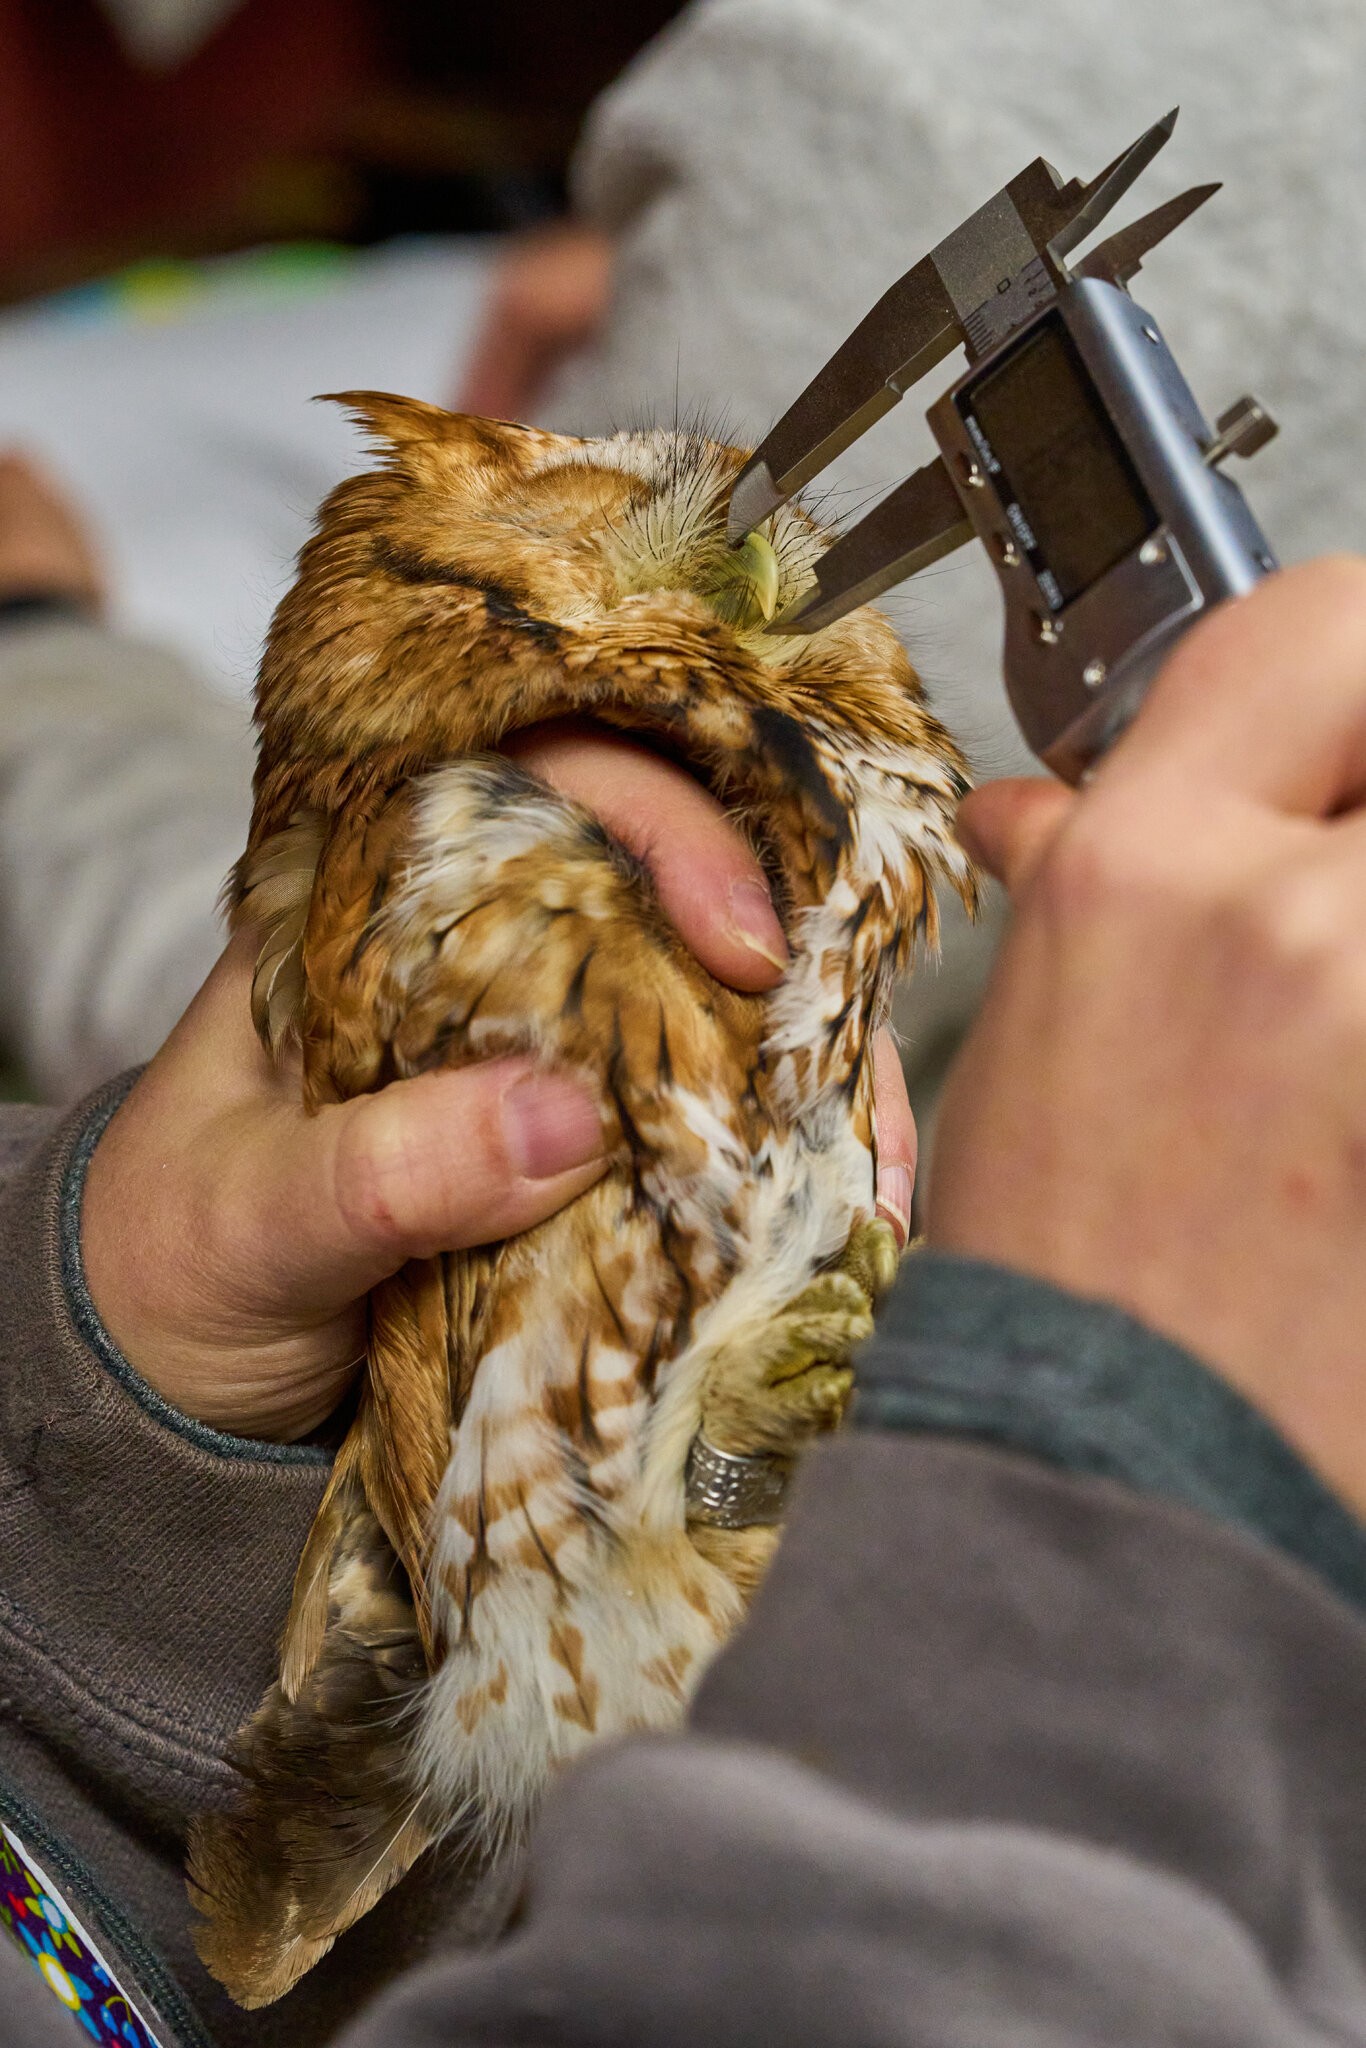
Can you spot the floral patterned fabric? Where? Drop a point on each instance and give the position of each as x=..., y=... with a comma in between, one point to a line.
x=60, y=1950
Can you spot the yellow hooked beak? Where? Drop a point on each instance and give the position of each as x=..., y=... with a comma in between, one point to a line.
x=756, y=560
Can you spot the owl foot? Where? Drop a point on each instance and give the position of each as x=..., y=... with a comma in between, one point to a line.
x=795, y=1379
x=764, y=1401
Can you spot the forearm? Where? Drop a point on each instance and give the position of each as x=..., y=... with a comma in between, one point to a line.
x=124, y=795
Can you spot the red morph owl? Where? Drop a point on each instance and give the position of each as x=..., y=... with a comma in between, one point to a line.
x=530, y=1536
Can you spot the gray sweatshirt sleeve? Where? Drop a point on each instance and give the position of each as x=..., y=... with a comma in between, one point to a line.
x=1045, y=1725
x=145, y=1570
x=1008, y=1751
x=146, y=1563
x=145, y=1567
x=125, y=790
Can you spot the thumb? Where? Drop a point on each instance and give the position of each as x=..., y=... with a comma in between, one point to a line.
x=1007, y=827
x=438, y=1163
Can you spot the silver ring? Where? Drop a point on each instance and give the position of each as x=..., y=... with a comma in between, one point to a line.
x=729, y=1491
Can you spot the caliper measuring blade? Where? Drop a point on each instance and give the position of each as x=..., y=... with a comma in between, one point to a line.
x=916, y=524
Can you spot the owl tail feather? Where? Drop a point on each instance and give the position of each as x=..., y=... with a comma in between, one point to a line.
x=329, y=1816
x=331, y=1813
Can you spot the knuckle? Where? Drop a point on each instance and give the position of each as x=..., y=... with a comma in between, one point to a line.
x=374, y=1174
x=1342, y=578
x=1101, y=859
x=1290, y=975
x=1294, y=924
x=417, y=1173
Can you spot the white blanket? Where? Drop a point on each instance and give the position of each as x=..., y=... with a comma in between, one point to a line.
x=186, y=431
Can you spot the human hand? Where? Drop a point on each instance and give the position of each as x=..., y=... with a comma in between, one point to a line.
x=549, y=296
x=1163, y=1103
x=46, y=548
x=230, y=1240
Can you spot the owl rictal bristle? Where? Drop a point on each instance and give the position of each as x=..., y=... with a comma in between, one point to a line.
x=674, y=537
x=506, y=1567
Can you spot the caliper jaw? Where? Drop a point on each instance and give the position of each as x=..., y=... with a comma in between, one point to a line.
x=1011, y=249
x=918, y=523
x=976, y=287
x=1119, y=258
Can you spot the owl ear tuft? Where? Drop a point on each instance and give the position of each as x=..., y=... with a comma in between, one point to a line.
x=407, y=426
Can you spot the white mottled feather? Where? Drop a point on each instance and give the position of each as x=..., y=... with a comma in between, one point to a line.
x=799, y=1200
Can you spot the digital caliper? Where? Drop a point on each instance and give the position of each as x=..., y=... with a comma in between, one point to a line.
x=1072, y=447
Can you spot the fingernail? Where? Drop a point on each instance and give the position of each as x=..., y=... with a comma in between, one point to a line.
x=755, y=922
x=894, y=1191
x=551, y=1123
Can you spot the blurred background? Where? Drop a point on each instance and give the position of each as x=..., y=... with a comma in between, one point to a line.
x=158, y=128
x=213, y=210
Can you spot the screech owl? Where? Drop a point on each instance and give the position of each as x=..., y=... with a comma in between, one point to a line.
x=506, y=1564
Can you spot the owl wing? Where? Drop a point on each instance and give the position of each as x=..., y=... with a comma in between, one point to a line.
x=470, y=915
x=329, y=1819
x=497, y=920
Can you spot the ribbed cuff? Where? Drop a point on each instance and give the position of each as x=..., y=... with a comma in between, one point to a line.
x=969, y=1349
x=86, y=1317
x=147, y=1559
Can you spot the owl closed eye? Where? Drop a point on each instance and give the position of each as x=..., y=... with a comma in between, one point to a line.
x=564, y=1468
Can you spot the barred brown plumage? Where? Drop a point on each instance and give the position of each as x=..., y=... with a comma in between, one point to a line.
x=504, y=1567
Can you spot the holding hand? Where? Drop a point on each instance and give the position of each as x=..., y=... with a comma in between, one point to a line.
x=230, y=1240
x=1163, y=1103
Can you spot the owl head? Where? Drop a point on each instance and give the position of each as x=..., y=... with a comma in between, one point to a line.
x=486, y=576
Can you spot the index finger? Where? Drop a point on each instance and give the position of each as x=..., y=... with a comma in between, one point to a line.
x=1266, y=698
x=710, y=883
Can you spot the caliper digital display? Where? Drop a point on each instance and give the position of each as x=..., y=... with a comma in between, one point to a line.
x=1069, y=492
